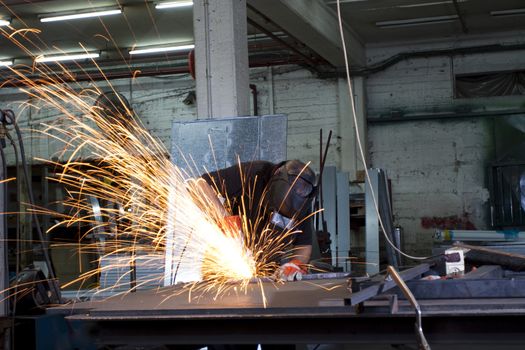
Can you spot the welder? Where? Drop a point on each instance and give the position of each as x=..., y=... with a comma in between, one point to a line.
x=279, y=197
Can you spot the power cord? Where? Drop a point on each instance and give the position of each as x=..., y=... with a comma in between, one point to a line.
x=358, y=137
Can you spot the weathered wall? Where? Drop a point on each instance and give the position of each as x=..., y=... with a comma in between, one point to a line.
x=309, y=103
x=437, y=166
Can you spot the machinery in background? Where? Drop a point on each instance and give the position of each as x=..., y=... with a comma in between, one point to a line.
x=336, y=204
x=32, y=287
x=505, y=244
x=379, y=210
x=507, y=195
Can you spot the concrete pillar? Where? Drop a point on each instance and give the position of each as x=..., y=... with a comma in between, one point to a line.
x=221, y=58
x=351, y=160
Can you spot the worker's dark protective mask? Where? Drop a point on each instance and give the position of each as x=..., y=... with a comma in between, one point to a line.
x=291, y=190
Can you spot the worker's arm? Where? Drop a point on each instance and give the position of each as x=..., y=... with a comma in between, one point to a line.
x=302, y=253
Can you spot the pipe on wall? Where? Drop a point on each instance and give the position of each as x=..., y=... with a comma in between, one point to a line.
x=382, y=65
x=253, y=89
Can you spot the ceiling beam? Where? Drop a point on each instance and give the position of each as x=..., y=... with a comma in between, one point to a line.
x=316, y=25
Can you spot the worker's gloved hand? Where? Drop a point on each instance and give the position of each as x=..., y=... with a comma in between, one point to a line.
x=292, y=271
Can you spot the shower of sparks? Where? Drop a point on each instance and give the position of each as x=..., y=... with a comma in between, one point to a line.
x=146, y=204
x=139, y=207
x=144, y=200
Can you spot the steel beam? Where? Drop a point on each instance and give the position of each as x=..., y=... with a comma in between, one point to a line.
x=303, y=312
x=313, y=23
x=382, y=287
x=384, y=329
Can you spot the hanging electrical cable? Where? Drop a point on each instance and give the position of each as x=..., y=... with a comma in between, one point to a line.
x=358, y=136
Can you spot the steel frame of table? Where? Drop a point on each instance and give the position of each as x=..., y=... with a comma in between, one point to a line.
x=307, y=312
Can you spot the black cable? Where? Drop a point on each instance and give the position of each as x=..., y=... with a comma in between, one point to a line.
x=10, y=117
x=12, y=307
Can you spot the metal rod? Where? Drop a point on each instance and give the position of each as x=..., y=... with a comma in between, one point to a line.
x=461, y=17
x=307, y=59
x=422, y=341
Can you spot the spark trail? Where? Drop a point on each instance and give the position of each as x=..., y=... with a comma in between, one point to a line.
x=146, y=205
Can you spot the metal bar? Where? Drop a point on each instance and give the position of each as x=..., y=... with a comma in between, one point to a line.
x=384, y=329
x=464, y=28
x=421, y=340
x=330, y=209
x=268, y=33
x=479, y=235
x=381, y=287
x=442, y=116
x=385, y=211
x=343, y=220
x=372, y=224
x=511, y=261
x=485, y=271
x=465, y=288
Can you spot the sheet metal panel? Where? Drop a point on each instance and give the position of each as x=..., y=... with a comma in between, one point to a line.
x=330, y=207
x=181, y=300
x=343, y=220
x=218, y=143
x=115, y=272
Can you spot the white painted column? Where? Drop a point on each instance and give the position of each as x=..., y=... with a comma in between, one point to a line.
x=351, y=160
x=221, y=58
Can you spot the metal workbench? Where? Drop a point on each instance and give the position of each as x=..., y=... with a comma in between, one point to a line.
x=312, y=312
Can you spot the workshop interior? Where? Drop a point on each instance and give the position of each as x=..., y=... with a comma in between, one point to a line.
x=262, y=174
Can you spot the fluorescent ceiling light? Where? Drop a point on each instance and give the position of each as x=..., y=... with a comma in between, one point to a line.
x=173, y=4
x=6, y=63
x=159, y=49
x=431, y=3
x=4, y=22
x=514, y=12
x=79, y=15
x=417, y=21
x=58, y=58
